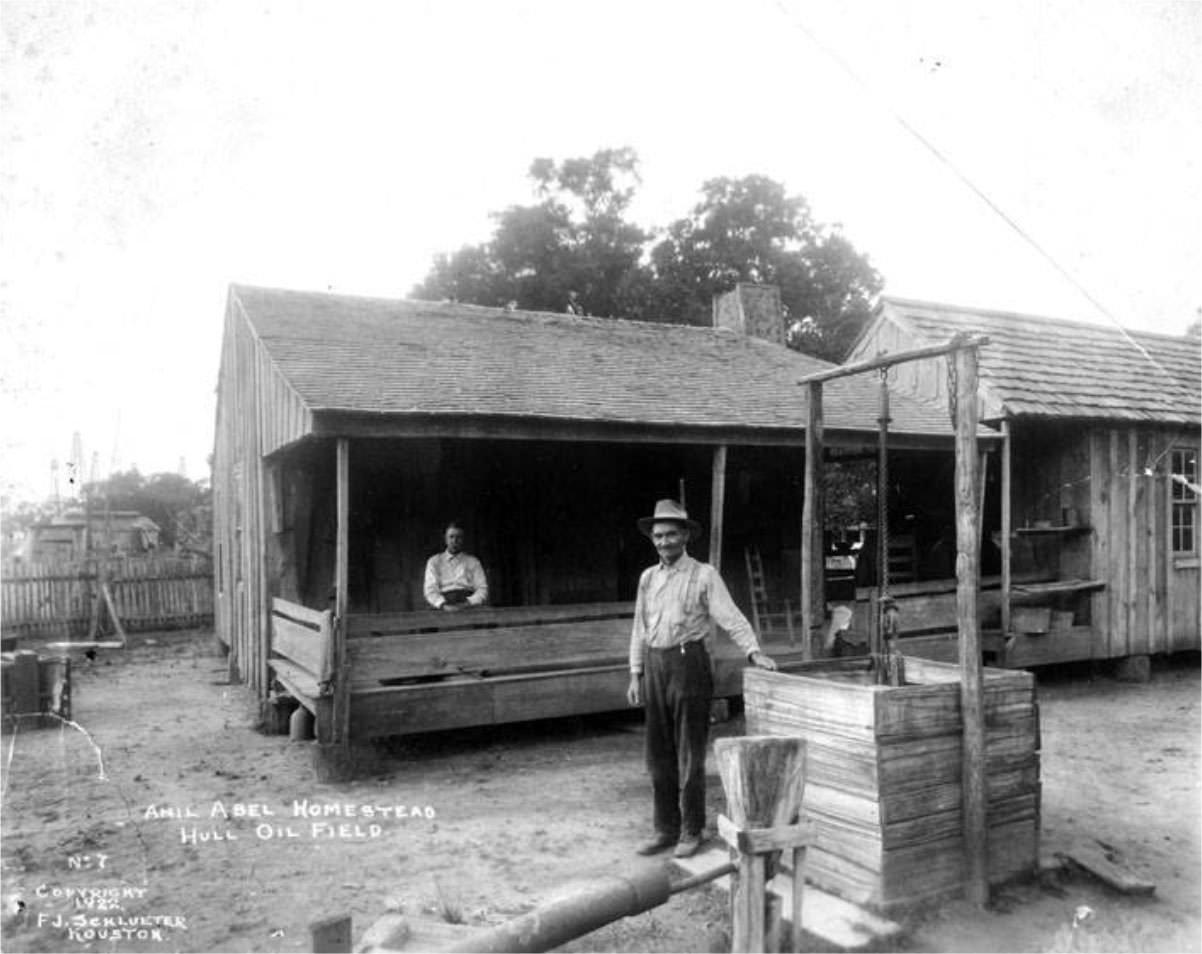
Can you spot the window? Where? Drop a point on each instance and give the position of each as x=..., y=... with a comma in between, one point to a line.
x=1185, y=502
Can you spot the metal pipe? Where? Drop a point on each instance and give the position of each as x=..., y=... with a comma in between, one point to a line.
x=580, y=909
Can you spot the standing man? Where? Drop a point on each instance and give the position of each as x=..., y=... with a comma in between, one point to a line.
x=670, y=673
x=455, y=579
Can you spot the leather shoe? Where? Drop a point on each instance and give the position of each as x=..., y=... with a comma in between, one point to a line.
x=687, y=846
x=656, y=845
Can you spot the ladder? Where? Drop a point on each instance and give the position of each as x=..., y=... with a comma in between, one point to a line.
x=763, y=617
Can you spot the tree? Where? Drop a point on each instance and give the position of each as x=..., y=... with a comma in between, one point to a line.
x=180, y=507
x=577, y=239
x=749, y=229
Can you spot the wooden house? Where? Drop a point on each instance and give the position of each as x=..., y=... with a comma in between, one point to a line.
x=350, y=430
x=75, y=535
x=1096, y=512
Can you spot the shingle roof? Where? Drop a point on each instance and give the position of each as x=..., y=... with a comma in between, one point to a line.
x=1048, y=367
x=402, y=357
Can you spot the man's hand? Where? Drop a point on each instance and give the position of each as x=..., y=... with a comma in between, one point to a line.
x=451, y=607
x=634, y=692
x=763, y=661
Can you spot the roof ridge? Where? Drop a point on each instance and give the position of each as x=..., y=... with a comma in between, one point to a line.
x=901, y=301
x=561, y=318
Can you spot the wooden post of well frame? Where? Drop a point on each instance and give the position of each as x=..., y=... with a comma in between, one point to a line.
x=1007, y=520
x=813, y=570
x=968, y=580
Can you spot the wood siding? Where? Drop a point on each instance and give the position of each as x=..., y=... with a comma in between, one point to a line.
x=926, y=380
x=1109, y=479
x=1150, y=604
x=257, y=413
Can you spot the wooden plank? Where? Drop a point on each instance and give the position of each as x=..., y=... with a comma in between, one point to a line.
x=453, y=652
x=838, y=922
x=361, y=680
x=1100, y=539
x=717, y=505
x=943, y=647
x=298, y=681
x=1058, y=588
x=1094, y=860
x=481, y=618
x=1115, y=635
x=340, y=689
x=1007, y=522
x=1167, y=555
x=450, y=705
x=956, y=346
x=1134, y=640
x=1067, y=645
x=891, y=878
x=1154, y=567
x=302, y=614
x=747, y=905
x=813, y=571
x=298, y=643
x=925, y=613
x=551, y=695
x=931, y=672
x=756, y=840
x=968, y=573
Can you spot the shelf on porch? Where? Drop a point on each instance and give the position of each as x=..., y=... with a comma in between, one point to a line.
x=1057, y=587
x=1064, y=530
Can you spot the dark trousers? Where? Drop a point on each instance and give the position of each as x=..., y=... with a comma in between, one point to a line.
x=677, y=686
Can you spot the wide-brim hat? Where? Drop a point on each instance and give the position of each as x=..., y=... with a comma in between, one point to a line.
x=669, y=510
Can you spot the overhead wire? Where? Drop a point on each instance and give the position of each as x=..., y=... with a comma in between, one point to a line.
x=980, y=193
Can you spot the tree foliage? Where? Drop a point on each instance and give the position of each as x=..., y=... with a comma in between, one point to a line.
x=577, y=239
x=182, y=508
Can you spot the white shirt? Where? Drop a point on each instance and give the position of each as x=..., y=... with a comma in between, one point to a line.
x=675, y=605
x=455, y=571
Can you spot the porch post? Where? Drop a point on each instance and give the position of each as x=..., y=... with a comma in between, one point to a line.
x=342, y=540
x=968, y=580
x=1006, y=520
x=717, y=503
x=333, y=706
x=813, y=571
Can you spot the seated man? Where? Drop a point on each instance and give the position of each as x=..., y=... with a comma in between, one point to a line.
x=455, y=579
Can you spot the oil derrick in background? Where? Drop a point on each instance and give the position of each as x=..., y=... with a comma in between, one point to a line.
x=75, y=468
x=55, y=495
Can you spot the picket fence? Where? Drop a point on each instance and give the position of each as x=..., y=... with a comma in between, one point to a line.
x=56, y=599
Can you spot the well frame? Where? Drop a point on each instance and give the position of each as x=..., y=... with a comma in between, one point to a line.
x=885, y=764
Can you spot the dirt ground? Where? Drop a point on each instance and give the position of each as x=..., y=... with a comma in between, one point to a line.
x=479, y=826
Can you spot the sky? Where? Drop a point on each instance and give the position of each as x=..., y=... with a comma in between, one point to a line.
x=153, y=153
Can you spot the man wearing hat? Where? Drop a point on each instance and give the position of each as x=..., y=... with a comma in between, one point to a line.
x=670, y=672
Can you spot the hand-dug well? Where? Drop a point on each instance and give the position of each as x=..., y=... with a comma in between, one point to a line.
x=883, y=774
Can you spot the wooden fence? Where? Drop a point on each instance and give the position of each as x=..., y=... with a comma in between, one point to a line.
x=58, y=599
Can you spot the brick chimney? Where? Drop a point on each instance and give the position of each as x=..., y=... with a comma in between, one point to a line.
x=751, y=309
